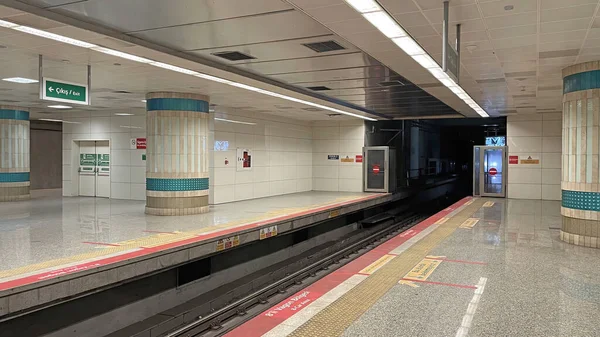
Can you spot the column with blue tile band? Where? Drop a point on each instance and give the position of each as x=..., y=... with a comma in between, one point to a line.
x=580, y=174
x=14, y=153
x=177, y=153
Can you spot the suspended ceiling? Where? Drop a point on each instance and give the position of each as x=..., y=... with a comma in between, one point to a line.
x=273, y=32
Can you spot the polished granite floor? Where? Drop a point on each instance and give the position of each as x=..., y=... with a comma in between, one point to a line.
x=534, y=284
x=51, y=226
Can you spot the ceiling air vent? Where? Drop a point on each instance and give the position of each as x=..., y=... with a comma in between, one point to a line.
x=281, y=107
x=121, y=92
x=312, y=109
x=390, y=83
x=319, y=88
x=325, y=46
x=333, y=115
x=233, y=56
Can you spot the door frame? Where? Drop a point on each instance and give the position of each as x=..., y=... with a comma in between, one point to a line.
x=74, y=192
x=386, y=166
x=481, y=172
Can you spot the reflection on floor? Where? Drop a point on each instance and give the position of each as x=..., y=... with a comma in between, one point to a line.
x=49, y=226
x=534, y=284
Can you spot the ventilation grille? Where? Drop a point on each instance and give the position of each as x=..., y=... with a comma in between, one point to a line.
x=121, y=92
x=281, y=107
x=312, y=109
x=325, y=46
x=233, y=56
x=319, y=88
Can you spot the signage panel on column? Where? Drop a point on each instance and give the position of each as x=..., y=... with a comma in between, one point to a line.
x=63, y=91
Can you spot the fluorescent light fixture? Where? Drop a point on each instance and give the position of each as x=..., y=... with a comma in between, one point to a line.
x=382, y=21
x=364, y=6
x=144, y=101
x=409, y=46
x=426, y=61
x=174, y=68
x=122, y=54
x=55, y=37
x=123, y=114
x=230, y=121
x=57, y=120
x=130, y=127
x=20, y=80
x=7, y=24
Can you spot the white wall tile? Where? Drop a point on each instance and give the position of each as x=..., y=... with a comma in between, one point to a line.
x=276, y=158
x=100, y=125
x=138, y=174
x=304, y=145
x=551, y=192
x=305, y=172
x=260, y=142
x=66, y=172
x=138, y=122
x=120, y=174
x=552, y=128
x=324, y=184
x=243, y=177
x=551, y=160
x=276, y=187
x=243, y=191
x=120, y=190
x=552, y=144
x=290, y=158
x=304, y=158
x=120, y=157
x=117, y=123
x=525, y=191
x=230, y=156
x=136, y=158
x=120, y=141
x=276, y=173
x=244, y=140
x=261, y=174
x=524, y=129
x=224, y=176
x=66, y=188
x=260, y=158
x=552, y=116
x=352, y=145
x=290, y=173
x=261, y=190
x=350, y=185
x=330, y=146
x=353, y=132
x=524, y=117
x=80, y=125
x=524, y=144
x=328, y=172
x=304, y=185
x=551, y=176
x=351, y=172
x=66, y=157
x=223, y=194
x=328, y=132
x=138, y=191
x=519, y=175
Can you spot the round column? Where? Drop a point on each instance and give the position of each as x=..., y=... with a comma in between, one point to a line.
x=177, y=166
x=14, y=153
x=580, y=175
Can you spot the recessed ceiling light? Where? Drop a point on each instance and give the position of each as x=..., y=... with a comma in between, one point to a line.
x=509, y=7
x=20, y=80
x=60, y=107
x=144, y=101
x=123, y=114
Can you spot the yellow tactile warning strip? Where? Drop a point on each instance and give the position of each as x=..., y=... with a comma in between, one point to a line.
x=333, y=320
x=155, y=240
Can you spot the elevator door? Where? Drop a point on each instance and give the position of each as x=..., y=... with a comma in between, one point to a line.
x=489, y=177
x=94, y=169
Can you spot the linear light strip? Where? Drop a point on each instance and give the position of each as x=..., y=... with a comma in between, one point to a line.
x=380, y=19
x=135, y=58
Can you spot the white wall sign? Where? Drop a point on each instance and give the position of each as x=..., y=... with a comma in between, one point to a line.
x=244, y=159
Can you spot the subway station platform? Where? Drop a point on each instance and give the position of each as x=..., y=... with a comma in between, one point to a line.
x=54, y=247
x=481, y=267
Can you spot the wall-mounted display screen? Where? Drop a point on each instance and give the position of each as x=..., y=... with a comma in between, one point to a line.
x=495, y=141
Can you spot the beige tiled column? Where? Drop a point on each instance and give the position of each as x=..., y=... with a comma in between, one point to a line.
x=14, y=153
x=580, y=176
x=177, y=166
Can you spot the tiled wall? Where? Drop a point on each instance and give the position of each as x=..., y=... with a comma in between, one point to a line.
x=281, y=156
x=128, y=170
x=538, y=136
x=343, y=138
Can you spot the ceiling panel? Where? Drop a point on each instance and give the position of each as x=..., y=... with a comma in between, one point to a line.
x=267, y=27
x=154, y=14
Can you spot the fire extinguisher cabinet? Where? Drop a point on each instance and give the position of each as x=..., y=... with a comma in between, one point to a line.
x=379, y=169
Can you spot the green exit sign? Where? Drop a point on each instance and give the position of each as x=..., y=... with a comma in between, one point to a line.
x=66, y=92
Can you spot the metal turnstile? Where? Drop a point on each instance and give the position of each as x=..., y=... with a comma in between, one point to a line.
x=379, y=169
x=489, y=171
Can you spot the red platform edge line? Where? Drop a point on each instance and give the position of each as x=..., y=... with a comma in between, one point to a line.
x=19, y=282
x=287, y=308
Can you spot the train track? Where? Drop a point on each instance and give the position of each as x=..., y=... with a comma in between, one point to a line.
x=233, y=315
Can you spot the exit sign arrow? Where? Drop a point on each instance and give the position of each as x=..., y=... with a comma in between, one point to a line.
x=66, y=92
